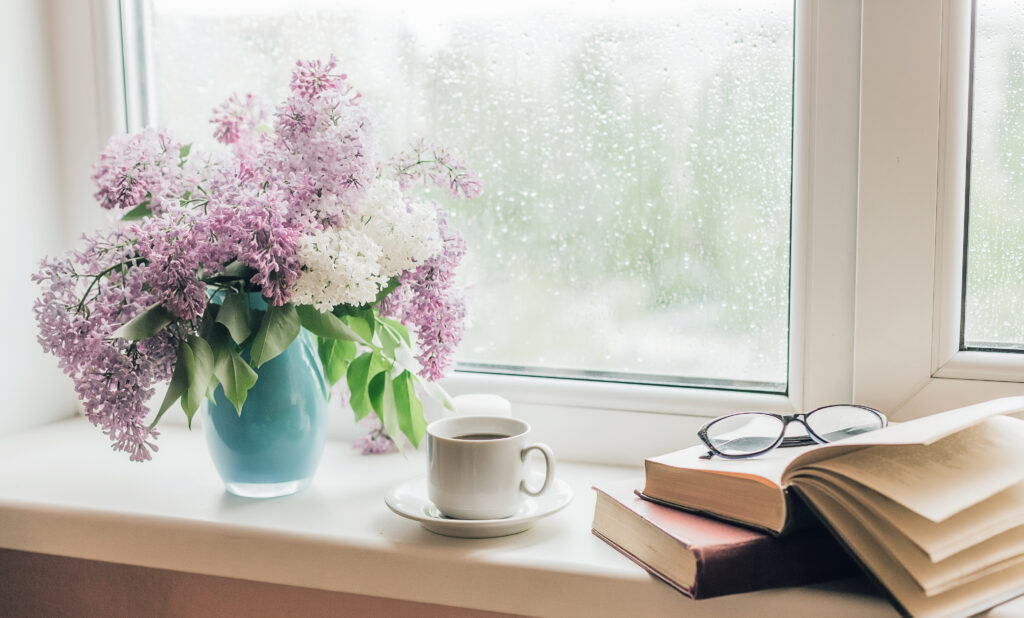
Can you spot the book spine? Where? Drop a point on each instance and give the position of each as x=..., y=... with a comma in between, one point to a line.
x=853, y=555
x=801, y=558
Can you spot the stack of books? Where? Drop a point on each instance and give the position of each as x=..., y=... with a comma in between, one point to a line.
x=931, y=509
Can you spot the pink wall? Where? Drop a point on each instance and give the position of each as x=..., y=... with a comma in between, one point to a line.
x=40, y=585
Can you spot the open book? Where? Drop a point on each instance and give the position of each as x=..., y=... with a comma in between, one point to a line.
x=933, y=508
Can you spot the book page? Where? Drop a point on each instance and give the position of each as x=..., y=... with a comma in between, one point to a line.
x=969, y=598
x=766, y=469
x=941, y=479
x=924, y=430
x=973, y=563
x=930, y=429
x=994, y=516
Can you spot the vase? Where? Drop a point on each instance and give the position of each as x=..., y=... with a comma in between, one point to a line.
x=274, y=446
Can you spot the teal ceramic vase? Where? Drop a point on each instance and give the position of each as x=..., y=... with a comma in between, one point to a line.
x=274, y=446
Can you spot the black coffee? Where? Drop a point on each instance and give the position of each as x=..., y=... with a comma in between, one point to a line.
x=481, y=436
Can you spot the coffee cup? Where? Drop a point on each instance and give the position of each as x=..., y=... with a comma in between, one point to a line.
x=476, y=466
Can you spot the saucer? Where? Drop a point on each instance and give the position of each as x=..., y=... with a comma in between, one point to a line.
x=410, y=500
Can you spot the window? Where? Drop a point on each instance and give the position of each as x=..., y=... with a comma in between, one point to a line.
x=637, y=159
x=875, y=230
x=994, y=271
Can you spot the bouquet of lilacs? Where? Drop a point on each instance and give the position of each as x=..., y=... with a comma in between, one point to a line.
x=302, y=210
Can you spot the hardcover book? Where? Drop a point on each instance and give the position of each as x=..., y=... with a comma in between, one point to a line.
x=932, y=508
x=703, y=557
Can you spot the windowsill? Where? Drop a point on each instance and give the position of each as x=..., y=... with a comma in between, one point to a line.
x=62, y=492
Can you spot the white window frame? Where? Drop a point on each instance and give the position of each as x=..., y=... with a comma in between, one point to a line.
x=914, y=115
x=879, y=119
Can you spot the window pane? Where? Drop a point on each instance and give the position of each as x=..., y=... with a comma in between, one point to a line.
x=636, y=161
x=994, y=287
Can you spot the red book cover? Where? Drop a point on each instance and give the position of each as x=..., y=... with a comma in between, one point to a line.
x=704, y=557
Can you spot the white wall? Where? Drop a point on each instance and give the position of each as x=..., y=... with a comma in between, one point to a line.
x=32, y=388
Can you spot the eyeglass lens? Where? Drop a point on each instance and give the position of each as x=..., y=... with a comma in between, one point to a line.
x=743, y=434
x=833, y=423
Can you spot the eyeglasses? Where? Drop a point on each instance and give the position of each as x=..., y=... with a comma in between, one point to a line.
x=749, y=434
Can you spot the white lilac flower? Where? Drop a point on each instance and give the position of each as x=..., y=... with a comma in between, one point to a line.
x=406, y=231
x=350, y=265
x=339, y=267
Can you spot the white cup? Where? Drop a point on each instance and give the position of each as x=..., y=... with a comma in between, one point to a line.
x=476, y=464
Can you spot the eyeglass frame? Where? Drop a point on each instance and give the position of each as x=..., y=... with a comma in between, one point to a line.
x=783, y=440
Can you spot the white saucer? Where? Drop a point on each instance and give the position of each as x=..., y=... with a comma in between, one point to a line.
x=410, y=500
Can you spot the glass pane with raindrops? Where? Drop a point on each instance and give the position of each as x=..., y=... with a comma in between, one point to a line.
x=636, y=161
x=994, y=282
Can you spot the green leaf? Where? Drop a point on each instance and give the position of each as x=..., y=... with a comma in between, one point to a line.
x=409, y=408
x=236, y=377
x=382, y=396
x=362, y=326
x=184, y=150
x=151, y=321
x=220, y=343
x=389, y=340
x=278, y=329
x=177, y=386
x=211, y=389
x=394, y=343
x=199, y=365
x=392, y=285
x=360, y=319
x=399, y=328
x=437, y=393
x=235, y=317
x=360, y=372
x=139, y=212
x=335, y=355
x=208, y=322
x=326, y=325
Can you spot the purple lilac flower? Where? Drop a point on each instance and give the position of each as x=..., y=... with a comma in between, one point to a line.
x=444, y=168
x=376, y=441
x=85, y=297
x=237, y=123
x=311, y=77
x=269, y=246
x=133, y=168
x=429, y=301
x=170, y=245
x=323, y=155
x=253, y=230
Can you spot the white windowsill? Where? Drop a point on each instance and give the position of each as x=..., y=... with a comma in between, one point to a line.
x=63, y=492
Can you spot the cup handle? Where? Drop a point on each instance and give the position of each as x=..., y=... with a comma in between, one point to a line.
x=549, y=465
